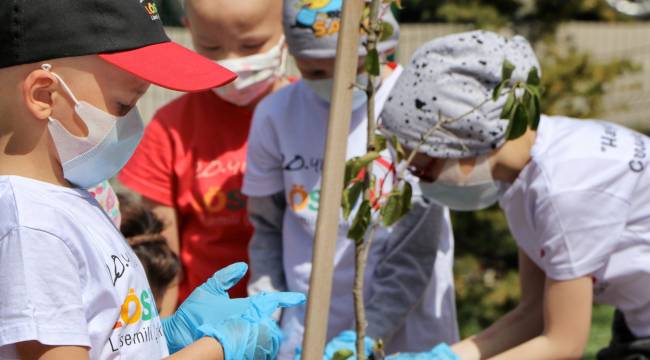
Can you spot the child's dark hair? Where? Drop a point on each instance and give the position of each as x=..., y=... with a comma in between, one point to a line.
x=143, y=231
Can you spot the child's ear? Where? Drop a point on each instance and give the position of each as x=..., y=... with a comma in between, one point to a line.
x=37, y=93
x=185, y=22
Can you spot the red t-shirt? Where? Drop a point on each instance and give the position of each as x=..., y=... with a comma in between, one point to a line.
x=192, y=158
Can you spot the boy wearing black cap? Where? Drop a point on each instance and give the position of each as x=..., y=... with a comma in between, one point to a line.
x=71, y=287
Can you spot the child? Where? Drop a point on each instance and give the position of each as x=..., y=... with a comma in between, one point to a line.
x=190, y=164
x=285, y=159
x=72, y=73
x=575, y=194
x=143, y=231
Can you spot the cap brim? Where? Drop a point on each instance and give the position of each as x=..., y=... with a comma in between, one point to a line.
x=171, y=66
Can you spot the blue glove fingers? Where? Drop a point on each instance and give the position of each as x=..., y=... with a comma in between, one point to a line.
x=347, y=341
x=440, y=352
x=242, y=339
x=298, y=353
x=225, y=278
x=267, y=304
x=233, y=335
x=347, y=335
x=444, y=352
x=176, y=338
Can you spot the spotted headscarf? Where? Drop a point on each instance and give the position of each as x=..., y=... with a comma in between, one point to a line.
x=446, y=79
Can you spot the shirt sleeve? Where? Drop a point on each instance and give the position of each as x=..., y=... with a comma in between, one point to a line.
x=41, y=291
x=579, y=230
x=403, y=274
x=265, y=248
x=264, y=174
x=150, y=172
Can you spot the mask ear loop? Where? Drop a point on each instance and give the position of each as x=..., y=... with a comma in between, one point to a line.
x=48, y=68
x=284, y=55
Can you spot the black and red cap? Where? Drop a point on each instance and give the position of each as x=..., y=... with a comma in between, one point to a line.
x=126, y=33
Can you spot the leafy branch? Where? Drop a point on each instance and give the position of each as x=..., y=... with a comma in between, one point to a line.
x=521, y=109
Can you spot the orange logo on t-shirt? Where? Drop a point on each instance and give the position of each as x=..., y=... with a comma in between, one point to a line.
x=136, y=308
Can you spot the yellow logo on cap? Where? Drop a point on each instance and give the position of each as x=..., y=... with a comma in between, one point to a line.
x=151, y=9
x=322, y=16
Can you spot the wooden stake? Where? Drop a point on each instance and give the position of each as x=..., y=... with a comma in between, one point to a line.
x=320, y=284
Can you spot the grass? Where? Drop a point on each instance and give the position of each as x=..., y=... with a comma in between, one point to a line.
x=601, y=324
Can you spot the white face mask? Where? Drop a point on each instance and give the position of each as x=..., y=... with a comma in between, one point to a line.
x=256, y=74
x=111, y=140
x=474, y=191
x=323, y=88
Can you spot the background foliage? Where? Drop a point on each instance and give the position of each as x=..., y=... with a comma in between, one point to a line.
x=487, y=282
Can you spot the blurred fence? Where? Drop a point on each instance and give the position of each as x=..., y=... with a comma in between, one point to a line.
x=604, y=41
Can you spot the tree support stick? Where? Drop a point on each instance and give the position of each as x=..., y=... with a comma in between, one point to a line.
x=320, y=285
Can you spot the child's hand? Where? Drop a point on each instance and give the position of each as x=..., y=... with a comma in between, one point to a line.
x=440, y=352
x=242, y=326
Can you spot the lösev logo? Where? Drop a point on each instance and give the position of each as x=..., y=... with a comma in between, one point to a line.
x=151, y=9
x=136, y=310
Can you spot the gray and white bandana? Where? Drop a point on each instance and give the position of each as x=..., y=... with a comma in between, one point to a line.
x=450, y=76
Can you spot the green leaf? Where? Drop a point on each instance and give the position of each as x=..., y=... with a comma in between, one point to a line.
x=350, y=173
x=391, y=209
x=533, y=77
x=354, y=166
x=361, y=222
x=398, y=3
x=372, y=63
x=407, y=195
x=507, y=70
x=496, y=94
x=518, y=122
x=368, y=158
x=343, y=354
x=350, y=197
x=401, y=154
x=533, y=90
x=509, y=106
x=386, y=31
x=397, y=205
x=535, y=113
x=380, y=143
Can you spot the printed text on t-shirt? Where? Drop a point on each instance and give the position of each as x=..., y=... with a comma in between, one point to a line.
x=298, y=162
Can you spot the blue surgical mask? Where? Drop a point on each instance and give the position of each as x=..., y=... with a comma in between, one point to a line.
x=474, y=191
x=111, y=141
x=323, y=88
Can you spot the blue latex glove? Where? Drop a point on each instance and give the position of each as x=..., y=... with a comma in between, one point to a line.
x=242, y=326
x=344, y=341
x=440, y=352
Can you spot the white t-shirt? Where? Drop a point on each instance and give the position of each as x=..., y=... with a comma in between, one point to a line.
x=68, y=277
x=285, y=153
x=581, y=207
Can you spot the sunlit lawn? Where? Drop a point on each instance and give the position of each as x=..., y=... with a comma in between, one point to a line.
x=600, y=330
